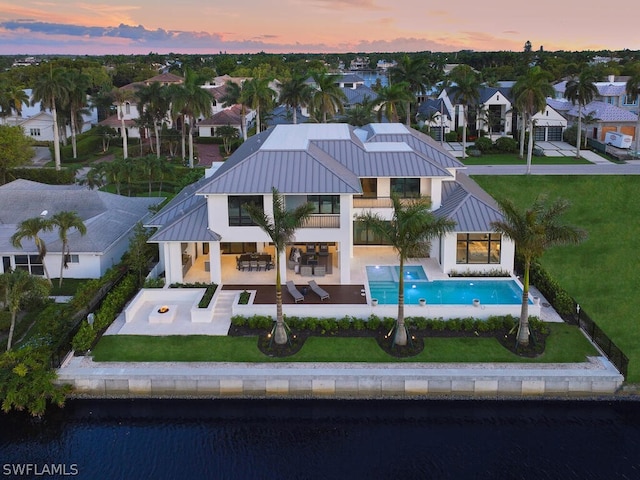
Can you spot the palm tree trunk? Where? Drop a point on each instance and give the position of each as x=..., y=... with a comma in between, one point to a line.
x=190, y=142
x=74, y=144
x=157, y=132
x=408, y=114
x=295, y=115
x=258, y=119
x=523, y=326
x=400, y=336
x=280, y=333
x=11, y=329
x=56, y=138
x=523, y=133
x=64, y=248
x=579, y=131
x=530, y=145
x=123, y=134
x=464, y=132
x=637, y=132
x=183, y=139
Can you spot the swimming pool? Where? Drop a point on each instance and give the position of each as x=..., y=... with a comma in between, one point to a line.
x=383, y=286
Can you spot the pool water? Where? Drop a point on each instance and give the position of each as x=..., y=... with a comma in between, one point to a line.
x=383, y=285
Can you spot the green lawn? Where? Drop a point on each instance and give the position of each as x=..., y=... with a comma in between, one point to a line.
x=504, y=159
x=601, y=273
x=566, y=344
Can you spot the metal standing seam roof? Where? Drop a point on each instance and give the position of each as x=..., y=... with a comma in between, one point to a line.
x=356, y=95
x=191, y=227
x=469, y=212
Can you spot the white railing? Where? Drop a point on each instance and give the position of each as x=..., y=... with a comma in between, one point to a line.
x=322, y=221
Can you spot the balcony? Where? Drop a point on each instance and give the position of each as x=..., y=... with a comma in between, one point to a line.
x=376, y=202
x=322, y=221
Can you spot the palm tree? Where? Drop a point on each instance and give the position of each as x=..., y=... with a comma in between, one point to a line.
x=233, y=96
x=154, y=100
x=76, y=103
x=17, y=288
x=530, y=93
x=581, y=91
x=49, y=89
x=327, y=98
x=65, y=221
x=295, y=93
x=281, y=230
x=414, y=72
x=533, y=231
x=192, y=101
x=360, y=114
x=227, y=133
x=12, y=98
x=409, y=232
x=259, y=96
x=150, y=165
x=30, y=229
x=122, y=96
x=390, y=100
x=633, y=88
x=466, y=92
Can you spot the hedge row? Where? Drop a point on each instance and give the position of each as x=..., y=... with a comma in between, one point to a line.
x=49, y=176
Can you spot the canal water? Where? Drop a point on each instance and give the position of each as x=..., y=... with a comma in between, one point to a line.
x=309, y=439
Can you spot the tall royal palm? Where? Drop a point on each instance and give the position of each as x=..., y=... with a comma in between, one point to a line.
x=281, y=229
x=233, y=96
x=581, y=91
x=154, y=100
x=79, y=83
x=533, y=231
x=530, y=93
x=122, y=96
x=391, y=99
x=410, y=231
x=465, y=91
x=12, y=99
x=415, y=73
x=66, y=221
x=295, y=93
x=633, y=89
x=327, y=98
x=192, y=101
x=30, y=229
x=259, y=96
x=50, y=88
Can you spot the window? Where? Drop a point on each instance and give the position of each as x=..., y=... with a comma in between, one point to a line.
x=406, y=187
x=238, y=217
x=29, y=263
x=127, y=108
x=324, y=204
x=363, y=236
x=34, y=132
x=369, y=187
x=630, y=100
x=478, y=248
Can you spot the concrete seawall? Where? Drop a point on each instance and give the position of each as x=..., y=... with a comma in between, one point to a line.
x=597, y=376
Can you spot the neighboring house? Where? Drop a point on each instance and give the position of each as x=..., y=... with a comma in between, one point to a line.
x=38, y=123
x=343, y=171
x=611, y=109
x=229, y=116
x=109, y=219
x=549, y=125
x=354, y=88
x=435, y=115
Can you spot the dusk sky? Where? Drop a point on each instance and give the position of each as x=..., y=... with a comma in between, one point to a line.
x=244, y=26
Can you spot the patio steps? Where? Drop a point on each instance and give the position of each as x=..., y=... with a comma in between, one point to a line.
x=222, y=312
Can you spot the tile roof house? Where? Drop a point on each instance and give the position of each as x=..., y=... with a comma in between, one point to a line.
x=343, y=171
x=109, y=219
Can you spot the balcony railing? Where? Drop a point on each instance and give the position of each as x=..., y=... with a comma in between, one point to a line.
x=322, y=221
x=375, y=202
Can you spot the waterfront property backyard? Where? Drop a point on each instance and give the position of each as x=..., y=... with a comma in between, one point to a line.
x=602, y=272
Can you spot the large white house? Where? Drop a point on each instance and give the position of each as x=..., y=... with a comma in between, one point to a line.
x=109, y=220
x=343, y=171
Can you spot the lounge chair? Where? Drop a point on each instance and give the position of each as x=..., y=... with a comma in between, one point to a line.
x=319, y=271
x=324, y=250
x=295, y=293
x=318, y=291
x=306, y=270
x=311, y=248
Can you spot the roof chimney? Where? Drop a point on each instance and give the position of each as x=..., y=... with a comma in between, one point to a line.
x=612, y=78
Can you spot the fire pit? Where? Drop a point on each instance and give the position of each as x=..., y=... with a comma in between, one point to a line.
x=163, y=309
x=163, y=313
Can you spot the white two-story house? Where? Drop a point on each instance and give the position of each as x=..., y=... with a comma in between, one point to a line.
x=343, y=171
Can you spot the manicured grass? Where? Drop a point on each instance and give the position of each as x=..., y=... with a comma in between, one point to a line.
x=566, y=344
x=508, y=159
x=602, y=272
x=68, y=288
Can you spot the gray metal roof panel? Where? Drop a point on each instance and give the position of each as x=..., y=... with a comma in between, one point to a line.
x=470, y=213
x=191, y=227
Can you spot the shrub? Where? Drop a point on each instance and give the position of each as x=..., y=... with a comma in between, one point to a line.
x=468, y=324
x=344, y=323
x=85, y=337
x=373, y=322
x=239, y=320
x=154, y=283
x=474, y=152
x=244, y=298
x=388, y=323
x=260, y=322
x=484, y=144
x=454, y=324
x=358, y=324
x=207, y=296
x=506, y=145
x=50, y=176
x=451, y=137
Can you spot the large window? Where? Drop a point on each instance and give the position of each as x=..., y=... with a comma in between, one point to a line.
x=630, y=100
x=369, y=187
x=478, y=248
x=324, y=204
x=238, y=217
x=29, y=263
x=364, y=236
x=406, y=187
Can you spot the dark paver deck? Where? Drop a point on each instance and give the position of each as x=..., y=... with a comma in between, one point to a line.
x=340, y=294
